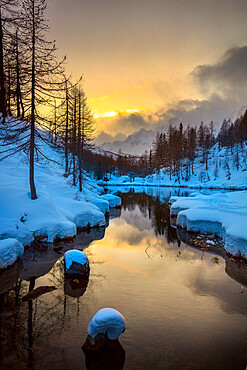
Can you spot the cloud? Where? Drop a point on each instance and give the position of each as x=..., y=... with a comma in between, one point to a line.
x=224, y=87
x=122, y=123
x=103, y=137
x=227, y=77
x=193, y=112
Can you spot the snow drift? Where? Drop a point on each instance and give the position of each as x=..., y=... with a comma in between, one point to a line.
x=221, y=214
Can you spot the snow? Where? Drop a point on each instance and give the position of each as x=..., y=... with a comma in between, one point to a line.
x=59, y=208
x=113, y=200
x=107, y=321
x=10, y=250
x=40, y=216
x=74, y=255
x=221, y=214
x=221, y=173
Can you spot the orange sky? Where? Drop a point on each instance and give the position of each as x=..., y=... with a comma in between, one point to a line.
x=138, y=55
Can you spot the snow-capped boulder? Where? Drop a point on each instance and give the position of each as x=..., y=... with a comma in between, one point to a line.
x=10, y=250
x=76, y=262
x=108, y=322
x=113, y=200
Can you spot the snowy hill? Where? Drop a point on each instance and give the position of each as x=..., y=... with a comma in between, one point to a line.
x=59, y=208
x=222, y=172
x=142, y=140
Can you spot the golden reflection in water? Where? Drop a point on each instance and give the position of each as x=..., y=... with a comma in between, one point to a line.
x=182, y=310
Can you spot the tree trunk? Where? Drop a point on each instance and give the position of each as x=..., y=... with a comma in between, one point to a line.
x=32, y=126
x=74, y=144
x=67, y=132
x=2, y=75
x=18, y=85
x=80, y=138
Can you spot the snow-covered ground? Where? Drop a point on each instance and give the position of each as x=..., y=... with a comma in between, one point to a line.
x=224, y=214
x=59, y=209
x=222, y=173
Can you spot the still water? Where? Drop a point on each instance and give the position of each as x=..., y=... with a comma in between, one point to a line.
x=183, y=311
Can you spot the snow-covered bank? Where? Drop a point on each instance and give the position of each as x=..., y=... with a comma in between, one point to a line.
x=114, y=201
x=226, y=169
x=59, y=208
x=163, y=180
x=10, y=250
x=221, y=214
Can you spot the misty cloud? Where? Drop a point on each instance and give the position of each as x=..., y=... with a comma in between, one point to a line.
x=228, y=77
x=103, y=137
x=193, y=112
x=224, y=85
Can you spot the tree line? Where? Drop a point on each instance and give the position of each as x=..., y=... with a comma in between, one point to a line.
x=38, y=101
x=175, y=150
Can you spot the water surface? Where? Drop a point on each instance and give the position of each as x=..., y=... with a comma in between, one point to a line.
x=183, y=311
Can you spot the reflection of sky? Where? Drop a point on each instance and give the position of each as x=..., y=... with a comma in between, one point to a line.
x=127, y=240
x=171, y=297
x=182, y=310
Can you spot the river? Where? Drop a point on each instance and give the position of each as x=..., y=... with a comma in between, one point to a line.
x=183, y=308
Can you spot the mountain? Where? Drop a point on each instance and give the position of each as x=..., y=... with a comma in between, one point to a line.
x=142, y=140
x=134, y=144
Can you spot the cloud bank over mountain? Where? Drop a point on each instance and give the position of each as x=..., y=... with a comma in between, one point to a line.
x=222, y=84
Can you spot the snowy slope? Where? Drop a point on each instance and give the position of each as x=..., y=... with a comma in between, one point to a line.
x=222, y=173
x=59, y=209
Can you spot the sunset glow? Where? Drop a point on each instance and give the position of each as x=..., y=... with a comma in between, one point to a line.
x=114, y=113
x=165, y=58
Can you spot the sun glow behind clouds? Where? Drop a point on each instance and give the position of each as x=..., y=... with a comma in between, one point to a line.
x=115, y=113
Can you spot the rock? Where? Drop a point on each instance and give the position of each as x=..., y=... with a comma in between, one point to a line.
x=76, y=263
x=110, y=356
x=76, y=286
x=107, y=322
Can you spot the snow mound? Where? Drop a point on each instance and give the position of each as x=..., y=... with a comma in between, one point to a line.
x=14, y=228
x=100, y=202
x=10, y=250
x=74, y=255
x=221, y=214
x=113, y=200
x=40, y=216
x=107, y=321
x=81, y=213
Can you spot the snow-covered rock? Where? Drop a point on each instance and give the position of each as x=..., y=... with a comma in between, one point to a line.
x=113, y=200
x=10, y=250
x=107, y=321
x=76, y=262
x=224, y=214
